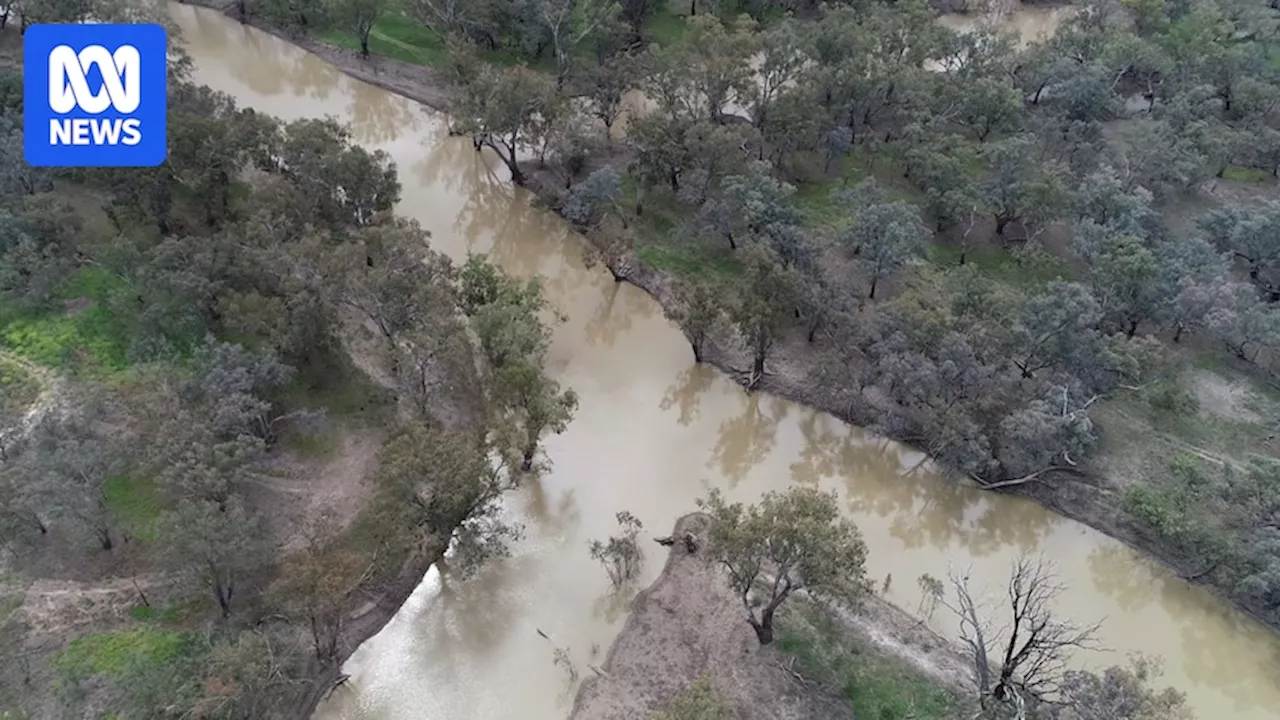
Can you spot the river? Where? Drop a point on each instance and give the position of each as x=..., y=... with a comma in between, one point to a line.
x=652, y=433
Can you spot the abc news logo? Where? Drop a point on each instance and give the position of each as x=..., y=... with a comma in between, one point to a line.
x=96, y=95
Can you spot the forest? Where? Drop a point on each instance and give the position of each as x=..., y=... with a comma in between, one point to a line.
x=181, y=348
x=1036, y=261
x=1052, y=264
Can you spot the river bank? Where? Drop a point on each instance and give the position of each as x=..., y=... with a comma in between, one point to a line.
x=1086, y=496
x=687, y=625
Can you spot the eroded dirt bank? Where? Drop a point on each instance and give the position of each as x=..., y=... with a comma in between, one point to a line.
x=688, y=625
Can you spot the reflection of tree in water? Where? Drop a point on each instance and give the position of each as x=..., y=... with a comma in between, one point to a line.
x=452, y=164
x=1212, y=635
x=607, y=320
x=555, y=519
x=470, y=618
x=687, y=391
x=745, y=441
x=377, y=116
x=1123, y=576
x=887, y=479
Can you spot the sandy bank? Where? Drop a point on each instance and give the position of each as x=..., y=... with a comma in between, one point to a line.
x=687, y=624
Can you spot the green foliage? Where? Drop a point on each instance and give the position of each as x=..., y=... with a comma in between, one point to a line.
x=114, y=653
x=18, y=389
x=874, y=684
x=789, y=541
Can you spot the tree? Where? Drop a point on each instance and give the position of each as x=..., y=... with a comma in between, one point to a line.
x=990, y=105
x=758, y=204
x=1025, y=659
x=499, y=108
x=607, y=84
x=1126, y=282
x=596, y=197
x=781, y=61
x=790, y=541
x=569, y=22
x=435, y=484
x=769, y=295
x=636, y=13
x=69, y=463
x=1253, y=235
x=699, y=701
x=1018, y=186
x=884, y=236
x=219, y=545
x=358, y=16
x=1053, y=327
x=317, y=585
x=342, y=183
x=621, y=555
x=699, y=312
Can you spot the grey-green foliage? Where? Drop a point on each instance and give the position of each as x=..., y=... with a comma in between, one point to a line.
x=756, y=203
x=1054, y=327
x=1019, y=185
x=885, y=235
x=595, y=197
x=233, y=382
x=1253, y=235
x=216, y=544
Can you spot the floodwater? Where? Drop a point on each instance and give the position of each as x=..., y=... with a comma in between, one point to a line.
x=653, y=432
x=1031, y=23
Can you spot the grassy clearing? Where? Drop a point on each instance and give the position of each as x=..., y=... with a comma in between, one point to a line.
x=136, y=502
x=397, y=37
x=875, y=685
x=667, y=27
x=79, y=333
x=1252, y=176
x=115, y=653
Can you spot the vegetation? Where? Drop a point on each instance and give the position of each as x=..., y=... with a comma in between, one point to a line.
x=621, y=555
x=987, y=249
x=873, y=683
x=790, y=542
x=188, y=327
x=699, y=701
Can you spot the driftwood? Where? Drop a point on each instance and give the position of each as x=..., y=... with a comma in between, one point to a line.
x=690, y=542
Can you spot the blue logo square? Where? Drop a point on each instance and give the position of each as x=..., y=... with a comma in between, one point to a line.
x=94, y=95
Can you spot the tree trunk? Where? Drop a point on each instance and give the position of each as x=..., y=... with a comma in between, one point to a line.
x=241, y=10
x=764, y=626
x=1133, y=329
x=1177, y=333
x=757, y=364
x=364, y=44
x=1001, y=222
x=697, y=349
x=526, y=461
x=874, y=281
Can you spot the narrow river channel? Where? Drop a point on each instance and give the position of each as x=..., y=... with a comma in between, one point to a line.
x=653, y=432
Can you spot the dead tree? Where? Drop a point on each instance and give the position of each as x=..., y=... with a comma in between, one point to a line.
x=1022, y=661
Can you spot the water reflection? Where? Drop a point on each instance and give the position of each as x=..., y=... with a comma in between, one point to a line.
x=687, y=391
x=745, y=441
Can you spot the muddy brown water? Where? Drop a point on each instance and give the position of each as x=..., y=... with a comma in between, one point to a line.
x=654, y=431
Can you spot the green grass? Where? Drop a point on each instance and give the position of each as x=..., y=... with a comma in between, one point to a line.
x=92, y=339
x=115, y=653
x=688, y=260
x=1029, y=267
x=167, y=614
x=1253, y=176
x=396, y=36
x=874, y=684
x=666, y=27
x=136, y=502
